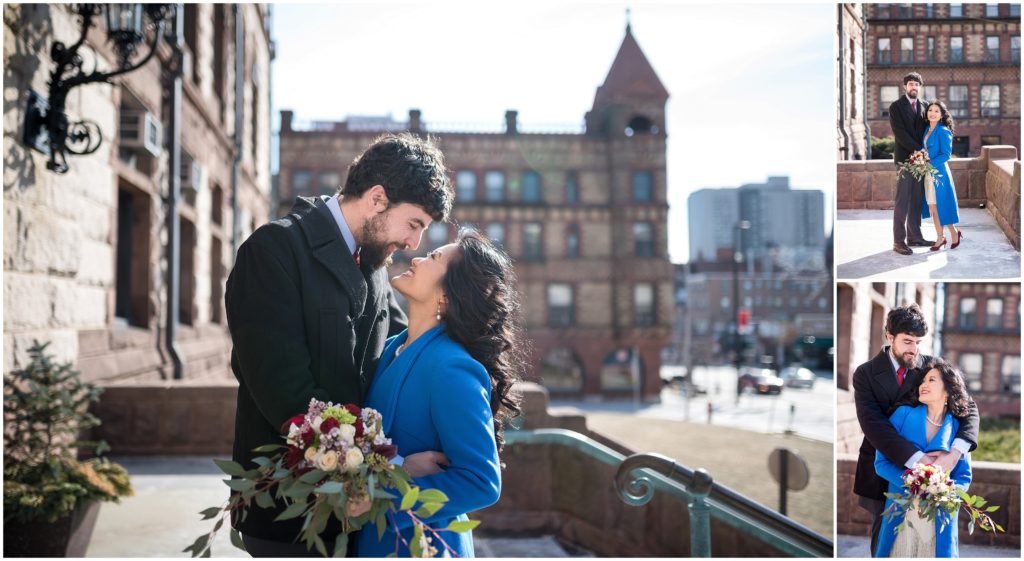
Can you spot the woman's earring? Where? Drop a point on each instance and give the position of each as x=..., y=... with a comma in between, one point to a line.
x=438, y=311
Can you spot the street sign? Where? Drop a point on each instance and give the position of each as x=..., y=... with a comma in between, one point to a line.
x=790, y=470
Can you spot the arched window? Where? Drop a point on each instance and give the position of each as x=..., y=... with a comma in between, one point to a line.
x=560, y=371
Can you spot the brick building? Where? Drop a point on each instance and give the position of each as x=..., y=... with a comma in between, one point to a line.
x=583, y=214
x=852, y=132
x=969, y=57
x=87, y=262
x=790, y=315
x=981, y=333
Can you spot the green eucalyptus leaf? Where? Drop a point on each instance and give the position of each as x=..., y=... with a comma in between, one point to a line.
x=210, y=512
x=331, y=487
x=299, y=491
x=313, y=476
x=320, y=546
x=433, y=496
x=426, y=510
x=264, y=500
x=236, y=540
x=460, y=526
x=341, y=545
x=229, y=467
x=409, y=498
x=240, y=484
x=268, y=448
x=293, y=511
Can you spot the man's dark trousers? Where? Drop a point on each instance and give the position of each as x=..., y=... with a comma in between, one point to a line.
x=906, y=223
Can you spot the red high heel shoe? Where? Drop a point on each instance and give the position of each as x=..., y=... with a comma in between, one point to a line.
x=959, y=237
x=938, y=245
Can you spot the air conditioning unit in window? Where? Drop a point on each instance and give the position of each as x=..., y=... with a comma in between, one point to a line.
x=141, y=129
x=191, y=173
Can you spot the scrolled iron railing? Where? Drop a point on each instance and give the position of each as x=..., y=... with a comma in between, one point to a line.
x=639, y=476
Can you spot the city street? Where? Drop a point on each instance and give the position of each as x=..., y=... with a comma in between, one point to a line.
x=807, y=412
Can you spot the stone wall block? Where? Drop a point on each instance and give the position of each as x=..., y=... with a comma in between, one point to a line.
x=28, y=301
x=844, y=180
x=63, y=345
x=97, y=265
x=51, y=244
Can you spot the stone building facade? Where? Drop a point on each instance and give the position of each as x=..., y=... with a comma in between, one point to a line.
x=584, y=216
x=86, y=259
x=981, y=334
x=852, y=133
x=969, y=57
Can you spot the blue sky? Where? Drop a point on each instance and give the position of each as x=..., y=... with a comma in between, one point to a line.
x=751, y=85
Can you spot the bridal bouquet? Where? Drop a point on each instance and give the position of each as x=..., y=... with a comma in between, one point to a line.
x=919, y=166
x=335, y=463
x=931, y=491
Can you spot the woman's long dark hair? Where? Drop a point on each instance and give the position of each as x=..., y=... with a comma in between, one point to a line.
x=483, y=316
x=946, y=119
x=958, y=402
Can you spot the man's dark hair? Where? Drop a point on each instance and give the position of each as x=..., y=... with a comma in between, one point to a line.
x=906, y=319
x=913, y=76
x=410, y=169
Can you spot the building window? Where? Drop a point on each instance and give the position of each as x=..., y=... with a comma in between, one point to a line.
x=1011, y=374
x=929, y=10
x=930, y=93
x=930, y=50
x=531, y=186
x=971, y=364
x=437, y=235
x=186, y=274
x=560, y=305
x=131, y=284
x=330, y=181
x=989, y=101
x=994, y=313
x=494, y=182
x=1014, y=10
x=956, y=50
x=1015, y=49
x=643, y=239
x=991, y=10
x=643, y=304
x=961, y=146
x=496, y=232
x=904, y=11
x=572, y=188
x=642, y=186
x=956, y=10
x=532, y=238
x=884, y=54
x=572, y=241
x=992, y=48
x=465, y=185
x=991, y=140
x=560, y=371
x=967, y=310
x=302, y=182
x=958, y=101
x=886, y=96
x=884, y=11
x=216, y=279
x=906, y=50
x=191, y=28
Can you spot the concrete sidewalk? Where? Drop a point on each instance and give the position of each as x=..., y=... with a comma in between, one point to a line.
x=857, y=546
x=863, y=249
x=162, y=518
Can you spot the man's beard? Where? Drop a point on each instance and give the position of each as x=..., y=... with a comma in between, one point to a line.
x=909, y=365
x=373, y=252
x=912, y=95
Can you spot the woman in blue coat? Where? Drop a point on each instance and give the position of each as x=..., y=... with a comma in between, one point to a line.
x=445, y=384
x=940, y=198
x=928, y=423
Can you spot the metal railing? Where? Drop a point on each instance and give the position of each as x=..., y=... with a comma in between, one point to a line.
x=641, y=475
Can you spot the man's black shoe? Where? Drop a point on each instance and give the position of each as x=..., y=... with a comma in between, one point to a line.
x=920, y=243
x=902, y=249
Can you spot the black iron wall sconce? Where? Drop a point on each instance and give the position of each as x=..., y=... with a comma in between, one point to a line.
x=47, y=127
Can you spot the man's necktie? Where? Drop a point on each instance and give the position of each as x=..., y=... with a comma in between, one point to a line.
x=915, y=108
x=899, y=375
x=356, y=257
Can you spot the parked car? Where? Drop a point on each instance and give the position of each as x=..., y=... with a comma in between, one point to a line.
x=797, y=377
x=761, y=380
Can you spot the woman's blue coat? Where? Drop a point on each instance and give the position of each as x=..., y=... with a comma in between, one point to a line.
x=435, y=396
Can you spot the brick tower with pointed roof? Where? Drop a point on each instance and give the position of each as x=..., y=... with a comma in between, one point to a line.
x=632, y=99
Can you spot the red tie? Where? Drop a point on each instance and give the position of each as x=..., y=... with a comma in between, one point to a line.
x=899, y=375
x=356, y=257
x=915, y=107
